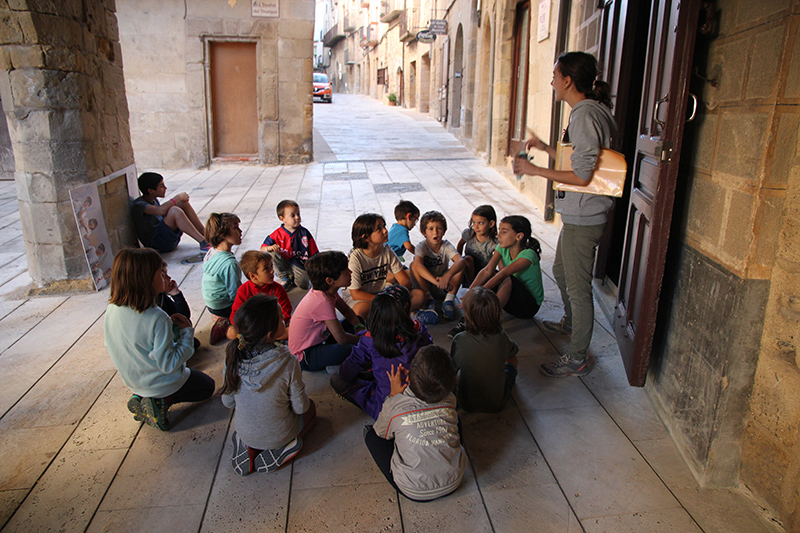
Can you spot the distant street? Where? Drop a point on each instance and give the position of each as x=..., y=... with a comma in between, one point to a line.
x=358, y=128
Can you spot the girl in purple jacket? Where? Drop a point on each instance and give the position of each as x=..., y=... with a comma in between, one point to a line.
x=391, y=339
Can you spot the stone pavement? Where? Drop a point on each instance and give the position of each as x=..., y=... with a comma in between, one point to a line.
x=565, y=455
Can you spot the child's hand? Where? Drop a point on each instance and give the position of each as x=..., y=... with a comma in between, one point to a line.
x=180, y=321
x=443, y=283
x=173, y=288
x=397, y=379
x=181, y=197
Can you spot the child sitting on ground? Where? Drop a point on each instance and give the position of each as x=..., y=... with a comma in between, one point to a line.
x=373, y=264
x=484, y=356
x=290, y=246
x=172, y=300
x=263, y=381
x=518, y=282
x=415, y=442
x=406, y=214
x=221, y=273
x=392, y=340
x=161, y=226
x=148, y=347
x=257, y=268
x=432, y=271
x=316, y=337
x=478, y=241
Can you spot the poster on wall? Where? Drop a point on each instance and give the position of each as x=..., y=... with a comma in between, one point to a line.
x=543, y=26
x=265, y=8
x=93, y=234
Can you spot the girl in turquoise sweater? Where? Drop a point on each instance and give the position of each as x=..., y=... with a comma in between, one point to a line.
x=221, y=273
x=149, y=348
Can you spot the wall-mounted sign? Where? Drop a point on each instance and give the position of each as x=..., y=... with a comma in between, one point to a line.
x=265, y=8
x=438, y=27
x=426, y=36
x=543, y=25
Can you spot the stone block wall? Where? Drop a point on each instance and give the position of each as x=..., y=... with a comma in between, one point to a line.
x=730, y=291
x=63, y=95
x=164, y=44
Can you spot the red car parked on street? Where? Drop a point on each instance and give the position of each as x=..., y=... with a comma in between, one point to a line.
x=322, y=87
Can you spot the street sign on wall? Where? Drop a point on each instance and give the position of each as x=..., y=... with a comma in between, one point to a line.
x=438, y=27
x=426, y=36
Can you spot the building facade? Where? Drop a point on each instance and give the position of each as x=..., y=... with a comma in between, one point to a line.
x=702, y=252
x=215, y=80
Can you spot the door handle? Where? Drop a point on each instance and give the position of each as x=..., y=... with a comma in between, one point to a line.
x=655, y=111
x=694, y=108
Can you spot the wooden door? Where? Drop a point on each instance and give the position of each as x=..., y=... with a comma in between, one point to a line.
x=670, y=46
x=519, y=86
x=445, y=78
x=234, y=110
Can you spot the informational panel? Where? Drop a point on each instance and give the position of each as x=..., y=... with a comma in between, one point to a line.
x=92, y=229
x=543, y=25
x=265, y=8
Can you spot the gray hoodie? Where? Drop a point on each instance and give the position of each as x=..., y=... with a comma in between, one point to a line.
x=271, y=399
x=428, y=459
x=591, y=127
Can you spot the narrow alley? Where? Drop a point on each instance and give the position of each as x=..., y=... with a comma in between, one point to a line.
x=576, y=454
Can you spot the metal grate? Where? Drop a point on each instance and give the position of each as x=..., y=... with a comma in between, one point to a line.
x=346, y=176
x=399, y=187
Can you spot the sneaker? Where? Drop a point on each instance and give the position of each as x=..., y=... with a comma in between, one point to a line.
x=204, y=246
x=566, y=366
x=271, y=460
x=559, y=328
x=219, y=331
x=449, y=309
x=287, y=284
x=155, y=412
x=427, y=316
x=135, y=407
x=458, y=328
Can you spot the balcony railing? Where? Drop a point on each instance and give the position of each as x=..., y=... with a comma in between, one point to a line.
x=334, y=35
x=391, y=9
x=369, y=35
x=409, y=25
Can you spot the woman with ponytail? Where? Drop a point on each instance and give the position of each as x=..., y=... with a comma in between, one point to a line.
x=584, y=216
x=513, y=271
x=263, y=381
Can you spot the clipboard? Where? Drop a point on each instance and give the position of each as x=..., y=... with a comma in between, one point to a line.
x=608, y=178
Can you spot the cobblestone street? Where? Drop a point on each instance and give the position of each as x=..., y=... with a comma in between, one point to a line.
x=566, y=455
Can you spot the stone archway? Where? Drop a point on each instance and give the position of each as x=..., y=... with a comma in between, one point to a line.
x=458, y=70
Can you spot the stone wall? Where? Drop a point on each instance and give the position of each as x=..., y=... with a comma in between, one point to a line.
x=723, y=375
x=63, y=95
x=164, y=43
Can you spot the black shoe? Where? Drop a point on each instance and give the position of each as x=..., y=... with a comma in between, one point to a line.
x=458, y=328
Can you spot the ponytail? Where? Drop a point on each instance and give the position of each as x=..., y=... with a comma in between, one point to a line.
x=522, y=225
x=582, y=69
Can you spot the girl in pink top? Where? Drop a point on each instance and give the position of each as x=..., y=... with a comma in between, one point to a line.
x=316, y=337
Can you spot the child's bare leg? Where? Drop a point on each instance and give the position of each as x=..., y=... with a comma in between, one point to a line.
x=191, y=214
x=455, y=282
x=176, y=219
x=469, y=268
x=361, y=307
x=504, y=292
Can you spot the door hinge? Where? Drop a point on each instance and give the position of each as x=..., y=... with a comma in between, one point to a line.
x=664, y=152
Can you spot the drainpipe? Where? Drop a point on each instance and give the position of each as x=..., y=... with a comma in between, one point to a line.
x=491, y=96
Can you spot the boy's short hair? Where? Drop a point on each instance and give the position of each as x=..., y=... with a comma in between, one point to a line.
x=325, y=265
x=405, y=208
x=364, y=225
x=149, y=181
x=432, y=216
x=251, y=260
x=482, y=312
x=432, y=375
x=219, y=226
x=283, y=204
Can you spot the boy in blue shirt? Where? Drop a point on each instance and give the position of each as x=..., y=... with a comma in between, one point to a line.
x=406, y=214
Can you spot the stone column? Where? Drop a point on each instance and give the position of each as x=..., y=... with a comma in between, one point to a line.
x=63, y=94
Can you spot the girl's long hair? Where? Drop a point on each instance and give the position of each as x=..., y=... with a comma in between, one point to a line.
x=255, y=319
x=132, y=278
x=582, y=68
x=390, y=325
x=522, y=225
